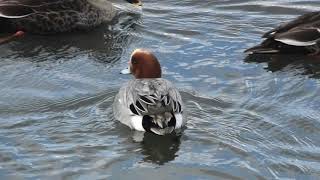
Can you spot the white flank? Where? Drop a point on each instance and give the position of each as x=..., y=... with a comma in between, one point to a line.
x=136, y=123
x=179, y=120
x=293, y=42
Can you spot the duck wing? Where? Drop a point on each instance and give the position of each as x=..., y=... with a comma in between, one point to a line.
x=11, y=10
x=153, y=96
x=305, y=36
x=23, y=8
x=308, y=19
x=31, y=3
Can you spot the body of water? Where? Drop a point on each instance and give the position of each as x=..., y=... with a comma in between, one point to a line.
x=248, y=118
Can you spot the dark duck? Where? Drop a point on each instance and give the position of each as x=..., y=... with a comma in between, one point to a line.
x=301, y=35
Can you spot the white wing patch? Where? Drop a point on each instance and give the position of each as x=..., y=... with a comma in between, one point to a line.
x=293, y=42
x=136, y=123
x=13, y=17
x=272, y=33
x=262, y=51
x=179, y=120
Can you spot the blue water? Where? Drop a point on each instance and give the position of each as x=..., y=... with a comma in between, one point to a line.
x=248, y=118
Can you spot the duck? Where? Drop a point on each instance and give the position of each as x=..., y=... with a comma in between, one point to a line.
x=148, y=102
x=301, y=35
x=55, y=16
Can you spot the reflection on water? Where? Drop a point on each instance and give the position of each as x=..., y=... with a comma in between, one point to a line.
x=105, y=43
x=160, y=149
x=302, y=65
x=250, y=117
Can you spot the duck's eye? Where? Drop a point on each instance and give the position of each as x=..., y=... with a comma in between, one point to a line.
x=134, y=60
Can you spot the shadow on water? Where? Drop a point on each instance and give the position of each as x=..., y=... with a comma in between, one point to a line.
x=104, y=44
x=160, y=149
x=302, y=65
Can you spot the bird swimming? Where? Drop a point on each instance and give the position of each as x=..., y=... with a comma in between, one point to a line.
x=301, y=35
x=54, y=16
x=148, y=102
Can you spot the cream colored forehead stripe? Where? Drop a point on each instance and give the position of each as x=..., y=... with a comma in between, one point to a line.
x=141, y=50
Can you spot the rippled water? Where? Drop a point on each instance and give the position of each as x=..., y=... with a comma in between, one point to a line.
x=249, y=118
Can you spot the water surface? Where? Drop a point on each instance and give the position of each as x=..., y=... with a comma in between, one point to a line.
x=249, y=118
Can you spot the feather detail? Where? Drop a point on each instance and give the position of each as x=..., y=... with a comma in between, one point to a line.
x=299, y=37
x=53, y=16
x=155, y=101
x=162, y=132
x=294, y=42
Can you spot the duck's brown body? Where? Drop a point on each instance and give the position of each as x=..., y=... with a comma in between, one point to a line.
x=302, y=35
x=51, y=16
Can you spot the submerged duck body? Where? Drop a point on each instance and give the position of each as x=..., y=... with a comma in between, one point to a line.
x=301, y=35
x=149, y=102
x=53, y=16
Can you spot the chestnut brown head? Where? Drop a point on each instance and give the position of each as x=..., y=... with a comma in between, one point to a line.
x=143, y=64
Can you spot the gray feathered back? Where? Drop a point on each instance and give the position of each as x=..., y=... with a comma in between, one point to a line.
x=152, y=96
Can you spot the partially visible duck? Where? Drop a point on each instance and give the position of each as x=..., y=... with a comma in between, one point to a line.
x=301, y=35
x=54, y=16
x=148, y=102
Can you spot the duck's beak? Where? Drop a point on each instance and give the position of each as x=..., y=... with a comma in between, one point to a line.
x=135, y=2
x=125, y=71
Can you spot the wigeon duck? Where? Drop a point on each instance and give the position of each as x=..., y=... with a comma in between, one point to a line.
x=148, y=102
x=54, y=16
x=301, y=35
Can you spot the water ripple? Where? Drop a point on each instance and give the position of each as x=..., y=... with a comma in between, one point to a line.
x=248, y=118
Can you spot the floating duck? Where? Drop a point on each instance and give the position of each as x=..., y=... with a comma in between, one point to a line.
x=301, y=35
x=54, y=16
x=148, y=102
